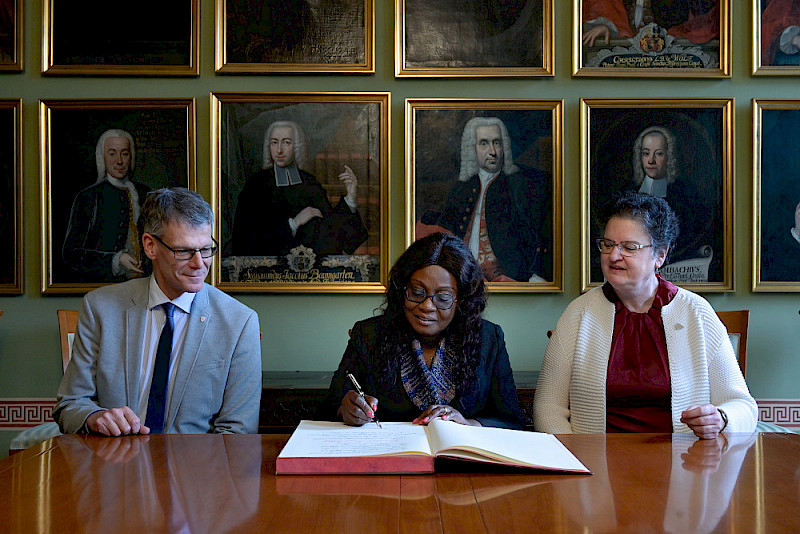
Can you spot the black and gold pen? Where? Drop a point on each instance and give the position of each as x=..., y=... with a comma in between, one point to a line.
x=361, y=394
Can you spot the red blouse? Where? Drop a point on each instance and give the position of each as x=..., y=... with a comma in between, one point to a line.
x=638, y=393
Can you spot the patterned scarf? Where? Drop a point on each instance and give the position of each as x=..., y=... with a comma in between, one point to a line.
x=428, y=385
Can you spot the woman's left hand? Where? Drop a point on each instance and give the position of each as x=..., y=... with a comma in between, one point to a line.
x=447, y=413
x=704, y=420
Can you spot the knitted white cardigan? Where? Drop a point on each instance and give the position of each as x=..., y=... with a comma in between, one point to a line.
x=571, y=393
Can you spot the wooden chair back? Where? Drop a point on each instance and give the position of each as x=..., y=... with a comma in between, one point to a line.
x=736, y=322
x=67, y=323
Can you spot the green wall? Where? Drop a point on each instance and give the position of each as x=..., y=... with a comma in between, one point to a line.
x=308, y=332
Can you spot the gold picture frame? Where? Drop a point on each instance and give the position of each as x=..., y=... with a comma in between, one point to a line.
x=776, y=221
x=87, y=221
x=698, y=134
x=679, y=44
x=335, y=37
x=454, y=38
x=526, y=196
x=776, y=38
x=11, y=198
x=11, y=33
x=339, y=172
x=170, y=47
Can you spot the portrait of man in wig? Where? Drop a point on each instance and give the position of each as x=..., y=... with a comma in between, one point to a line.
x=657, y=172
x=283, y=206
x=102, y=242
x=499, y=208
x=653, y=159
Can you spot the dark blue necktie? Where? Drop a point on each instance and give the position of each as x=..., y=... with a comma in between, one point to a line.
x=157, y=403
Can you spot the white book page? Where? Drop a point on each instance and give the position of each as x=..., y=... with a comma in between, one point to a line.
x=501, y=445
x=327, y=439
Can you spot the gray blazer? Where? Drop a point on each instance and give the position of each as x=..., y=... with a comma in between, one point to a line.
x=218, y=380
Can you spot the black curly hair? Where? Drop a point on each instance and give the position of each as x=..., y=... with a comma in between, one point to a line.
x=463, y=335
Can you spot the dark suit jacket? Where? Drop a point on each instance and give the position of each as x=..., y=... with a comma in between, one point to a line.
x=217, y=385
x=491, y=397
x=780, y=257
x=518, y=215
x=98, y=229
x=261, y=224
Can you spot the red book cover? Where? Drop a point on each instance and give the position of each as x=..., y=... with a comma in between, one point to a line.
x=396, y=464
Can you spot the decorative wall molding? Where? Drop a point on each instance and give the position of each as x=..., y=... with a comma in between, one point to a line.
x=22, y=413
x=784, y=412
x=19, y=414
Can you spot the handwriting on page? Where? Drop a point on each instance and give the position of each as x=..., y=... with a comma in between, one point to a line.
x=369, y=440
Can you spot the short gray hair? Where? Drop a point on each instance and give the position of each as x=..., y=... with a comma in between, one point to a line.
x=469, y=158
x=300, y=150
x=654, y=214
x=636, y=157
x=175, y=204
x=99, y=151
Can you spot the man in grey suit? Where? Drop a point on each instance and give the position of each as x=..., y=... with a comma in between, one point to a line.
x=127, y=377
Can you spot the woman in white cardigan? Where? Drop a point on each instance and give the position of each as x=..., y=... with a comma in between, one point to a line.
x=640, y=354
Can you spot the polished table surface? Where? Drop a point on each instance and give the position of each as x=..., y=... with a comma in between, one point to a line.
x=212, y=483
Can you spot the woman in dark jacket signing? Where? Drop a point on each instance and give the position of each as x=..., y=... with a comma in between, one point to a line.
x=430, y=353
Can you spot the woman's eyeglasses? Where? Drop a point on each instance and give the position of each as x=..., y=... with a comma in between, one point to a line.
x=626, y=248
x=443, y=300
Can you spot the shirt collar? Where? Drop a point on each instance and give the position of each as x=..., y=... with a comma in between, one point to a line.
x=285, y=176
x=654, y=188
x=486, y=176
x=119, y=184
x=156, y=297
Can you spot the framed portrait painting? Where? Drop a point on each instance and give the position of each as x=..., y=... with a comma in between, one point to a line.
x=148, y=38
x=676, y=149
x=304, y=36
x=473, y=38
x=490, y=172
x=100, y=158
x=300, y=189
x=11, y=35
x=776, y=195
x=776, y=37
x=11, y=260
x=665, y=38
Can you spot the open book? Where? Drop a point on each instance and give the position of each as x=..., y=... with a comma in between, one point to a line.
x=323, y=447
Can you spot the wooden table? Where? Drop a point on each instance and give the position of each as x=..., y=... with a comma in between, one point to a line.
x=212, y=483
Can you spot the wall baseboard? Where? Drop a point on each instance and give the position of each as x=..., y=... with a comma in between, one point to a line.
x=784, y=412
x=22, y=413
x=19, y=414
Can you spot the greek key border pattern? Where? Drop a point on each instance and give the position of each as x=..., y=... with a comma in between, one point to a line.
x=19, y=414
x=784, y=412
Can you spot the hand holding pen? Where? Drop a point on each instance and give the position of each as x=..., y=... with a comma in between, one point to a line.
x=357, y=408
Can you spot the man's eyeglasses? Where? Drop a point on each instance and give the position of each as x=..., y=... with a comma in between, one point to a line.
x=187, y=254
x=443, y=300
x=626, y=248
